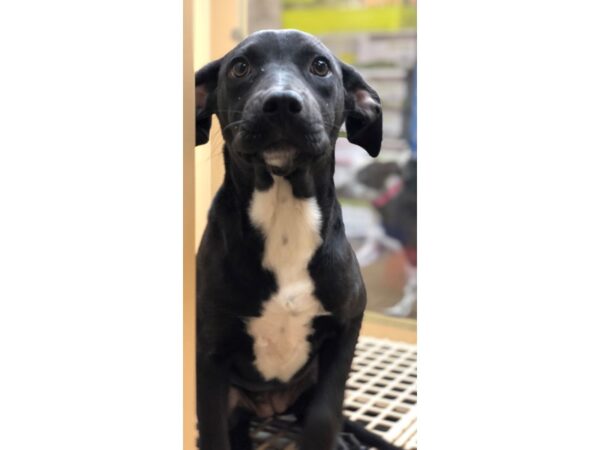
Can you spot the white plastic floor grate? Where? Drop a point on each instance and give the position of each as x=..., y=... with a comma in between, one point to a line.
x=381, y=393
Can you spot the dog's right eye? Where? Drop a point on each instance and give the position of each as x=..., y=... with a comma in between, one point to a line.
x=240, y=69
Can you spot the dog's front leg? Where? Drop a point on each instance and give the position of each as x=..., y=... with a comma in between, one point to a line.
x=323, y=418
x=212, y=391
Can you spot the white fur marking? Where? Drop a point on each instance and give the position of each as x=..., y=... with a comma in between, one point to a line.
x=280, y=333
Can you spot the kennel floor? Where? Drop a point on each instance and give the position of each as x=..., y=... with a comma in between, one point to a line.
x=381, y=395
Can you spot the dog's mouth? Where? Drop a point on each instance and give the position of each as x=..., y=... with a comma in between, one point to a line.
x=280, y=160
x=281, y=150
x=260, y=136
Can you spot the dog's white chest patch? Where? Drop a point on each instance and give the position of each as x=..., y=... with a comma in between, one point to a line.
x=291, y=230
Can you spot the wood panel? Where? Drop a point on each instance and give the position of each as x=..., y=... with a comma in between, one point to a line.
x=189, y=424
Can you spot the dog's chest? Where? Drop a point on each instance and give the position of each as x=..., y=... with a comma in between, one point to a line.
x=290, y=227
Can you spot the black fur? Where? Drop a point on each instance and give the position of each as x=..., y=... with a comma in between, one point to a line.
x=231, y=282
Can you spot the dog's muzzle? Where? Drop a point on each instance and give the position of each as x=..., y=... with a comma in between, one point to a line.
x=282, y=129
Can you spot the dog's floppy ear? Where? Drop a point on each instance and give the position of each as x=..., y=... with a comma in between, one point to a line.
x=206, y=84
x=364, y=122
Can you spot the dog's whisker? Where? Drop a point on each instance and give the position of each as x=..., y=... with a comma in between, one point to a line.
x=229, y=111
x=234, y=124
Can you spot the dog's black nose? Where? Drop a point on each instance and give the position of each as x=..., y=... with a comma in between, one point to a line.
x=283, y=102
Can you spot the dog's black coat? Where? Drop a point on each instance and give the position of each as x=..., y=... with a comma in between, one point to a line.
x=232, y=285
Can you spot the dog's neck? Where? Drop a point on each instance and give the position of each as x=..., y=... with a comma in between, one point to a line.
x=243, y=179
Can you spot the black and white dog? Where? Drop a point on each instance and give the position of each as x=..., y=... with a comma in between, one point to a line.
x=280, y=297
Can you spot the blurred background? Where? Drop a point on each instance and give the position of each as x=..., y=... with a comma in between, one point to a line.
x=378, y=196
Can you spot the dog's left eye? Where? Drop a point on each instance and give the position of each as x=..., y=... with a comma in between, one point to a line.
x=240, y=69
x=320, y=67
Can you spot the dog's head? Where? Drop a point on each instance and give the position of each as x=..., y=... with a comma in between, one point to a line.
x=281, y=98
